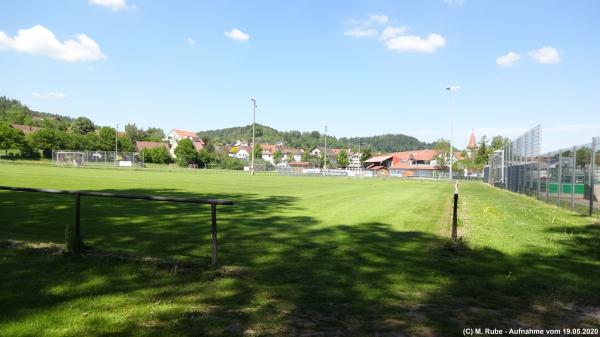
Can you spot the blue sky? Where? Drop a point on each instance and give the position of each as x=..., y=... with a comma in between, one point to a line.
x=360, y=67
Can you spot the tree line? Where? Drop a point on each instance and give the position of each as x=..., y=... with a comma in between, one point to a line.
x=308, y=140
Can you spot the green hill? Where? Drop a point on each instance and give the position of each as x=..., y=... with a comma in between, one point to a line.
x=309, y=139
x=14, y=112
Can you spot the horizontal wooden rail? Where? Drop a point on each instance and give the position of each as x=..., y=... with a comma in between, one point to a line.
x=121, y=196
x=78, y=194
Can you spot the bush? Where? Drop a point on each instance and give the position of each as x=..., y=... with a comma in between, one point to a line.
x=157, y=155
x=186, y=153
x=229, y=163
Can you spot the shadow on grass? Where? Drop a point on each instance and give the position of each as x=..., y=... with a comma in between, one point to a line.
x=288, y=275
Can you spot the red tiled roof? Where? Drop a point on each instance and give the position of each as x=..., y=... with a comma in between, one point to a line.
x=423, y=154
x=378, y=159
x=140, y=145
x=415, y=167
x=268, y=148
x=25, y=128
x=198, y=145
x=401, y=155
x=188, y=134
x=299, y=163
x=376, y=167
x=291, y=151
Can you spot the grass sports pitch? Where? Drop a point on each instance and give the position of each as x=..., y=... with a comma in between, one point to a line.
x=305, y=256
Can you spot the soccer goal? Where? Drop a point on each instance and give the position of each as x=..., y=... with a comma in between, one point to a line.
x=69, y=158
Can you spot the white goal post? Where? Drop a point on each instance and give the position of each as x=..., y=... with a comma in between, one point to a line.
x=74, y=158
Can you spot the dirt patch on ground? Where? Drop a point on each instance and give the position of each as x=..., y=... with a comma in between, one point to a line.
x=52, y=248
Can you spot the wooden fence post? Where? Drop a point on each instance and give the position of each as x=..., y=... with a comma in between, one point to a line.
x=213, y=211
x=454, y=214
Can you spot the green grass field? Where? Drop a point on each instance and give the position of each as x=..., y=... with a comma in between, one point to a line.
x=298, y=256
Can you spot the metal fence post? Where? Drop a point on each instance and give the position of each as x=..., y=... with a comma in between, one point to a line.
x=539, y=178
x=573, y=162
x=454, y=213
x=592, y=172
x=213, y=230
x=547, y=177
x=559, y=181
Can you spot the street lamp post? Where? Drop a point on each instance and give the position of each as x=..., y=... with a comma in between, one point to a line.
x=452, y=89
x=116, y=143
x=253, y=125
x=325, y=154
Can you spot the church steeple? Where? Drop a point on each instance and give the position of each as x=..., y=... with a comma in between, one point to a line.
x=472, y=142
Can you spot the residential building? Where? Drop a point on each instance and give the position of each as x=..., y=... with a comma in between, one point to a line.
x=419, y=163
x=331, y=153
x=176, y=135
x=380, y=164
x=292, y=155
x=243, y=153
x=354, y=161
x=268, y=151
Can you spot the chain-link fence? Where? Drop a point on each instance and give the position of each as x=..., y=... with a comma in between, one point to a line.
x=97, y=158
x=568, y=177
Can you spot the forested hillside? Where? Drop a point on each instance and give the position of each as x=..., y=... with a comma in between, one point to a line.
x=309, y=139
x=13, y=111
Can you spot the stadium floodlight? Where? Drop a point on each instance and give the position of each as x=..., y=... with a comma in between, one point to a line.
x=253, y=126
x=116, y=143
x=452, y=89
x=325, y=154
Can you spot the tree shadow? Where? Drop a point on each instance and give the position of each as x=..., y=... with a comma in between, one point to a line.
x=286, y=275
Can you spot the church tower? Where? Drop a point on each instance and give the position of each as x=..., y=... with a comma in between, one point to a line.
x=472, y=147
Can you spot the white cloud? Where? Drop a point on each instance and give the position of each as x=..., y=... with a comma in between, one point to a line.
x=39, y=40
x=415, y=43
x=361, y=32
x=366, y=28
x=378, y=19
x=115, y=5
x=237, y=35
x=394, y=37
x=455, y=2
x=508, y=60
x=49, y=95
x=190, y=42
x=546, y=54
x=391, y=32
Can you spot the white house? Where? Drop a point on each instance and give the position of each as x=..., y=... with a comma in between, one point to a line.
x=239, y=143
x=176, y=135
x=268, y=151
x=316, y=152
x=243, y=153
x=354, y=162
x=292, y=155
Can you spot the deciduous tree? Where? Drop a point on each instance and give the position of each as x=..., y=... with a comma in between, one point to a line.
x=82, y=126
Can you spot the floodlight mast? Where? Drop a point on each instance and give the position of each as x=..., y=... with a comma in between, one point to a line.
x=452, y=89
x=116, y=142
x=325, y=154
x=253, y=125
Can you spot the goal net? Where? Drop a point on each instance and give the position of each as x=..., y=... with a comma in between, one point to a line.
x=69, y=158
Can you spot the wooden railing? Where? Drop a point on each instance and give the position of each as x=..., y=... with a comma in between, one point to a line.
x=78, y=194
